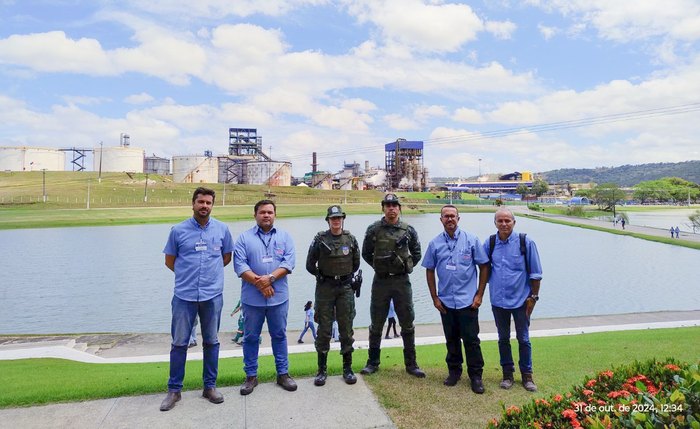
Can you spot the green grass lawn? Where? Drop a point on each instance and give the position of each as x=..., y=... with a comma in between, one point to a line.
x=412, y=403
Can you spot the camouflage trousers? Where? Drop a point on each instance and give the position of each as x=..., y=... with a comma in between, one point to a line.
x=334, y=301
x=384, y=289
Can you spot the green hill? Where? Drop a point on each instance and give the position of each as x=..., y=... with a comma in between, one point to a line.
x=626, y=175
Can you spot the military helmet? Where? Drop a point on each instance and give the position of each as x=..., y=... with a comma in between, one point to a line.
x=391, y=199
x=335, y=211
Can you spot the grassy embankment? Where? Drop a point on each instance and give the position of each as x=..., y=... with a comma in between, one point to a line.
x=119, y=200
x=412, y=403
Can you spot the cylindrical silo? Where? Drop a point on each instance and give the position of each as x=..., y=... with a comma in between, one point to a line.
x=156, y=165
x=118, y=159
x=274, y=173
x=25, y=158
x=195, y=169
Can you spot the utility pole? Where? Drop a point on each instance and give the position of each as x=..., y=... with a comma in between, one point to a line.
x=88, y=196
x=479, y=178
x=145, y=190
x=99, y=177
x=43, y=184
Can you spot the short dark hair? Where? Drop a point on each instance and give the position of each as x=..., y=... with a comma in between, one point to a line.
x=203, y=191
x=264, y=203
x=449, y=206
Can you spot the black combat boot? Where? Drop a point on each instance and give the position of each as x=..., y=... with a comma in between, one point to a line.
x=409, y=355
x=372, y=361
x=321, y=376
x=348, y=375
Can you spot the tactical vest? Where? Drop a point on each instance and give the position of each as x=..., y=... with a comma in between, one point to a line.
x=335, y=257
x=391, y=254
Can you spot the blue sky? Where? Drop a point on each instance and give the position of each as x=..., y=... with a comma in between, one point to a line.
x=474, y=80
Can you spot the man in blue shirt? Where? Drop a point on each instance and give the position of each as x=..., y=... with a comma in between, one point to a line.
x=197, y=251
x=454, y=255
x=514, y=286
x=263, y=256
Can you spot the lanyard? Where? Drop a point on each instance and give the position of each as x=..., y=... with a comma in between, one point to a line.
x=267, y=245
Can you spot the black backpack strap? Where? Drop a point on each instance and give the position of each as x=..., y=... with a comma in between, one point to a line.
x=492, y=244
x=523, y=251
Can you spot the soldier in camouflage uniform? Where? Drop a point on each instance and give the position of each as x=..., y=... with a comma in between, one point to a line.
x=333, y=258
x=392, y=248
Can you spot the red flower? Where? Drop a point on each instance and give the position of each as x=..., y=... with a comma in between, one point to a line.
x=512, y=410
x=601, y=402
x=557, y=398
x=569, y=413
x=587, y=392
x=494, y=422
x=591, y=382
x=607, y=373
x=575, y=423
x=541, y=401
x=672, y=367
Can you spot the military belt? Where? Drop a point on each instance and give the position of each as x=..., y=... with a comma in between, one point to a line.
x=384, y=276
x=338, y=278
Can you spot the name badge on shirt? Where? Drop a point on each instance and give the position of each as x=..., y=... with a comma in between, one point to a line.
x=200, y=246
x=450, y=267
x=267, y=259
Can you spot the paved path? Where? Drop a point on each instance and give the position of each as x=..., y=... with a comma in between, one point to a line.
x=335, y=405
x=658, y=232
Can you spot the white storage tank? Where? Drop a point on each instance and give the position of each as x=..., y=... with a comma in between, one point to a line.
x=195, y=169
x=277, y=173
x=156, y=165
x=25, y=158
x=118, y=159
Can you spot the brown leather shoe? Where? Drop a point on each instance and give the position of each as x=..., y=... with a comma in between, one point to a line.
x=286, y=382
x=170, y=400
x=250, y=382
x=213, y=395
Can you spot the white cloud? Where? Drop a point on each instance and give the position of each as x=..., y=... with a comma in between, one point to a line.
x=414, y=24
x=547, y=32
x=142, y=98
x=221, y=8
x=501, y=29
x=400, y=123
x=469, y=116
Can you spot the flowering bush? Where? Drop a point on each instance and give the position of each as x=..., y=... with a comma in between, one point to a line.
x=644, y=395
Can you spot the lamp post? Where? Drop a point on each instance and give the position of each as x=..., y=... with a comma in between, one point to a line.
x=479, y=179
x=87, y=207
x=145, y=190
x=43, y=183
x=99, y=177
x=223, y=203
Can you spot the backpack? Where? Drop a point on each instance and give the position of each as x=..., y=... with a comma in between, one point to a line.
x=523, y=250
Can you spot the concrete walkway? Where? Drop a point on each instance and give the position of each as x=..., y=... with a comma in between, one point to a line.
x=658, y=232
x=335, y=405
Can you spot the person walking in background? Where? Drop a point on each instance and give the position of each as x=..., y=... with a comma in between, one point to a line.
x=678, y=231
x=308, y=322
x=391, y=321
x=514, y=286
x=197, y=251
x=454, y=255
x=392, y=248
x=263, y=257
x=672, y=231
x=193, y=335
x=333, y=258
x=239, y=330
x=622, y=222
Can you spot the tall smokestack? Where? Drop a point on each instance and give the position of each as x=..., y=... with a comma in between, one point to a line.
x=366, y=165
x=314, y=164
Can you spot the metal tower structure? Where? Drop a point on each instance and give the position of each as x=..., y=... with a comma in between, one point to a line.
x=404, y=165
x=246, y=142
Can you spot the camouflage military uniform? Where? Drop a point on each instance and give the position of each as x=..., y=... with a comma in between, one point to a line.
x=393, y=251
x=333, y=259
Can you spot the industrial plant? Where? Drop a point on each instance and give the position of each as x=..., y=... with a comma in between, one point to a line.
x=245, y=163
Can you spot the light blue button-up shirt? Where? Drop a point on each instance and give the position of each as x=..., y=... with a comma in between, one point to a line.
x=252, y=249
x=199, y=251
x=509, y=286
x=455, y=260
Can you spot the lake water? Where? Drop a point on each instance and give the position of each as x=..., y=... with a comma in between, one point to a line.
x=113, y=279
x=663, y=219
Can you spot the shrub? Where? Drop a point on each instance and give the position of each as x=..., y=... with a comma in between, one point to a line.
x=644, y=395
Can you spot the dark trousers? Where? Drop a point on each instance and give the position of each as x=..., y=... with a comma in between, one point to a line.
x=462, y=326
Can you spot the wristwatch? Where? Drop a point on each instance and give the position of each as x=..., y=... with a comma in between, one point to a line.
x=272, y=279
x=534, y=297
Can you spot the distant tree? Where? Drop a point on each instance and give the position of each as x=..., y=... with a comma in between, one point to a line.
x=588, y=193
x=695, y=220
x=608, y=195
x=522, y=190
x=539, y=187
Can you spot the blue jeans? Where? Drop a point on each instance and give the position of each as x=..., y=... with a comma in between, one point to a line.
x=522, y=333
x=308, y=326
x=184, y=314
x=276, y=316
